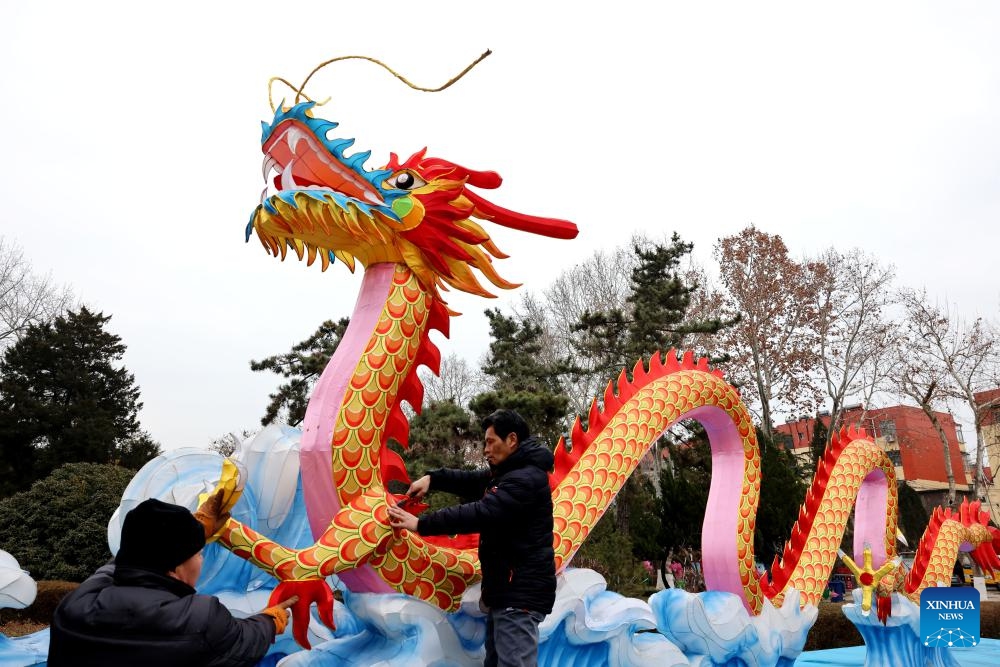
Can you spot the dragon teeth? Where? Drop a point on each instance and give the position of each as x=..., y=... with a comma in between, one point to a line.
x=293, y=137
x=269, y=164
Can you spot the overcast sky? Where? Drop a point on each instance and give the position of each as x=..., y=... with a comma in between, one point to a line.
x=131, y=155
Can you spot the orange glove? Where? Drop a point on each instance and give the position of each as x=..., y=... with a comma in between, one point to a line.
x=279, y=613
x=211, y=516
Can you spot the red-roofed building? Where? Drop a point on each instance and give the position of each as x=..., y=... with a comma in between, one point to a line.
x=910, y=441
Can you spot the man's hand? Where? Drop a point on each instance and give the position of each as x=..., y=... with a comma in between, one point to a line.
x=419, y=488
x=400, y=518
x=279, y=613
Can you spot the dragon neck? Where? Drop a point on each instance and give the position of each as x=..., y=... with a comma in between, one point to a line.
x=355, y=406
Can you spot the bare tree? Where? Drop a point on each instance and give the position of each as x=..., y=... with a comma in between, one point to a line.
x=776, y=340
x=26, y=298
x=228, y=443
x=456, y=382
x=975, y=370
x=969, y=353
x=708, y=302
x=601, y=283
x=854, y=333
x=917, y=372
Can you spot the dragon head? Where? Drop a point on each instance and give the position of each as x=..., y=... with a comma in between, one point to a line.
x=418, y=212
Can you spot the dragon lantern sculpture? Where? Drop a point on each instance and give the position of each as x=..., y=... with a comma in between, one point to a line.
x=415, y=227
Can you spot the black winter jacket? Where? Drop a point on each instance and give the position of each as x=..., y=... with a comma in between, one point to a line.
x=135, y=617
x=514, y=520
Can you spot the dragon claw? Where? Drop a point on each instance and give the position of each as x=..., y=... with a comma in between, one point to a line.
x=868, y=579
x=309, y=591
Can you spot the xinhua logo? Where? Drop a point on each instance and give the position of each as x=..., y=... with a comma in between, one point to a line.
x=949, y=617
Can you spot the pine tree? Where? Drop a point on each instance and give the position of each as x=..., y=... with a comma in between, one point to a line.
x=443, y=436
x=137, y=450
x=655, y=317
x=64, y=398
x=520, y=380
x=302, y=366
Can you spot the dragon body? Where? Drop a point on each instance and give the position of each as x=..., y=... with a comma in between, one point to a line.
x=412, y=225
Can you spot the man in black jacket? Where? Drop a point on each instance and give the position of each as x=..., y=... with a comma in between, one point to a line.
x=513, y=517
x=143, y=610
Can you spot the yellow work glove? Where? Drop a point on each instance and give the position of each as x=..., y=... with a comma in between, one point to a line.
x=279, y=613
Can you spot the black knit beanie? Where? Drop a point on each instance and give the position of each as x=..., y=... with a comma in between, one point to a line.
x=158, y=536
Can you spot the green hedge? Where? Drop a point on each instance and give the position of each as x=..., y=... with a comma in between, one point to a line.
x=58, y=530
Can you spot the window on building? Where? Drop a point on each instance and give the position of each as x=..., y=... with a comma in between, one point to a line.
x=958, y=432
x=894, y=457
x=887, y=428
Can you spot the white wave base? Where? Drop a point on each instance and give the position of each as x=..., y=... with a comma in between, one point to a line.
x=17, y=591
x=17, y=588
x=589, y=625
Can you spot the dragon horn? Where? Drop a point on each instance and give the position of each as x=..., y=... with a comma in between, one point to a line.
x=551, y=227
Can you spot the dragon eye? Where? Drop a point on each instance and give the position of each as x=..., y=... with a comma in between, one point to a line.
x=405, y=180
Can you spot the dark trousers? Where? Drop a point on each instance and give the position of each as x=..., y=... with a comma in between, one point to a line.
x=512, y=637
